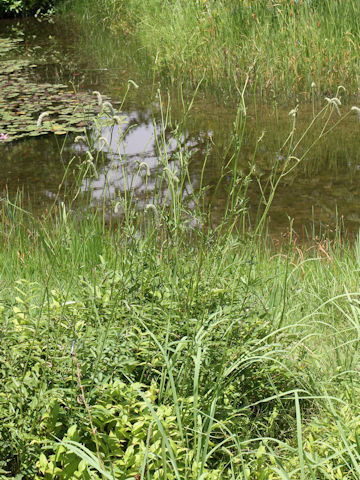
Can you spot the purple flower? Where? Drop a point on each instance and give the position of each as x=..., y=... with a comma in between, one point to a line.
x=3, y=137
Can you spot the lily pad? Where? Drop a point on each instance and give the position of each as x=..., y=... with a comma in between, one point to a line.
x=23, y=100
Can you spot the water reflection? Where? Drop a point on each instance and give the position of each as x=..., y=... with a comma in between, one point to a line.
x=136, y=153
x=324, y=186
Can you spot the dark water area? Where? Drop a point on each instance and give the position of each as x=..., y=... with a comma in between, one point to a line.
x=320, y=192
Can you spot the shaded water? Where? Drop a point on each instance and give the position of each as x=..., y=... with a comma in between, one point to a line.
x=322, y=190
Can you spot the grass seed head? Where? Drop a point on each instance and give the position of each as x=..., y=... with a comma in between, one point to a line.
x=41, y=118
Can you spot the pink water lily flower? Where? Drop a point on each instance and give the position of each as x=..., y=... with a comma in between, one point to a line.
x=3, y=137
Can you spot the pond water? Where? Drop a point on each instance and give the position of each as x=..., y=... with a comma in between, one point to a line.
x=323, y=189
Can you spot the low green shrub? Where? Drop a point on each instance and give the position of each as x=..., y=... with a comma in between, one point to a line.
x=134, y=434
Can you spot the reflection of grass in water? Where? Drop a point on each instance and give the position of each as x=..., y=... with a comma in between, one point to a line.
x=151, y=342
x=284, y=46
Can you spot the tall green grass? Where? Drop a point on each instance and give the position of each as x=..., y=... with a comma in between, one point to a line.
x=141, y=341
x=283, y=46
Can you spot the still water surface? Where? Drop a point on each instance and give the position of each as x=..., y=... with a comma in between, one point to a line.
x=325, y=187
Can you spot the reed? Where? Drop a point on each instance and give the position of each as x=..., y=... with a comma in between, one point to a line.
x=284, y=47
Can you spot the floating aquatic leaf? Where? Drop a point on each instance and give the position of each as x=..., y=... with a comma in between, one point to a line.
x=22, y=100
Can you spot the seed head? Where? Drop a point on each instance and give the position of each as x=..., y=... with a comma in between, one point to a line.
x=335, y=101
x=152, y=207
x=146, y=166
x=99, y=97
x=120, y=120
x=90, y=156
x=109, y=107
x=105, y=141
x=357, y=110
x=80, y=138
x=131, y=82
x=41, y=118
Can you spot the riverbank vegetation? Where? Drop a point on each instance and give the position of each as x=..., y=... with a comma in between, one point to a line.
x=139, y=340
x=13, y=8
x=284, y=47
x=143, y=337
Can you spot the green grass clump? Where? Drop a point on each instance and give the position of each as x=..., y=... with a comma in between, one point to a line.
x=172, y=359
x=284, y=46
x=139, y=341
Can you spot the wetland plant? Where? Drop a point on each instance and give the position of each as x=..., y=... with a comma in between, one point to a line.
x=141, y=346
x=284, y=46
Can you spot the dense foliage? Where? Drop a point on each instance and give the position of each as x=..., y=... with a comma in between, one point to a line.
x=141, y=340
x=22, y=7
x=282, y=47
x=145, y=346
